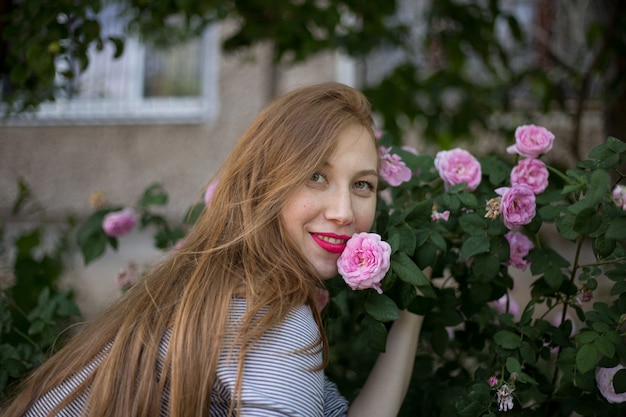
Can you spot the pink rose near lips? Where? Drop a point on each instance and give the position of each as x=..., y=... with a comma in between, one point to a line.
x=365, y=261
x=531, y=141
x=456, y=166
x=531, y=172
x=119, y=223
x=518, y=205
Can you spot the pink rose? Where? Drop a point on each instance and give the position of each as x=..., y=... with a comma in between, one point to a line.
x=531, y=172
x=520, y=246
x=392, y=169
x=365, y=261
x=619, y=196
x=118, y=223
x=208, y=194
x=531, y=141
x=517, y=206
x=604, y=379
x=456, y=166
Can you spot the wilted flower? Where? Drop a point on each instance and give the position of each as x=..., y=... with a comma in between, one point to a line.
x=127, y=277
x=493, y=208
x=505, y=397
x=604, y=379
x=531, y=141
x=586, y=294
x=436, y=215
x=392, y=169
x=531, y=172
x=518, y=205
x=118, y=223
x=457, y=166
x=365, y=261
x=619, y=196
x=520, y=245
x=97, y=199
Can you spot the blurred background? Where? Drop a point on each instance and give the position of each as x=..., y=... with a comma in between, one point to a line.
x=110, y=97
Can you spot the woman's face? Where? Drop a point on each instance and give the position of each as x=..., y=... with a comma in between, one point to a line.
x=338, y=200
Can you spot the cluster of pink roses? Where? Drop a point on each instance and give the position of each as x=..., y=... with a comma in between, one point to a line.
x=529, y=177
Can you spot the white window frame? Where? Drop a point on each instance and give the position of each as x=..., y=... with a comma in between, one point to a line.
x=134, y=108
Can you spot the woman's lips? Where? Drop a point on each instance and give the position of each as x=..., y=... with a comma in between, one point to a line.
x=330, y=242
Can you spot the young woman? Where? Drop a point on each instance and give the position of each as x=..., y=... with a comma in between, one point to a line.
x=227, y=324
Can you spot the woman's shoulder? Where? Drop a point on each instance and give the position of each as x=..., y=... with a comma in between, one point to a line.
x=298, y=328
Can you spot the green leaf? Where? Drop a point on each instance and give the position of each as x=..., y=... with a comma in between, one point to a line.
x=513, y=365
x=420, y=213
x=507, y=339
x=565, y=226
x=154, y=195
x=472, y=223
x=617, y=229
x=586, y=337
x=486, y=266
x=440, y=340
x=407, y=270
x=605, y=346
x=473, y=246
x=598, y=184
x=586, y=220
x=376, y=333
x=619, y=381
x=586, y=358
x=382, y=308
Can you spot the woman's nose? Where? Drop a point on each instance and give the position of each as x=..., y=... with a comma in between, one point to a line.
x=339, y=207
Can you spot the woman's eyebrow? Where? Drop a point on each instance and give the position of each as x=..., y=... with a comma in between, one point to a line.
x=368, y=172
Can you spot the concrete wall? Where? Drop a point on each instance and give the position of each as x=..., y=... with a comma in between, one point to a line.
x=64, y=164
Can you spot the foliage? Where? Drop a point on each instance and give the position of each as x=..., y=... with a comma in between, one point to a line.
x=44, y=47
x=34, y=310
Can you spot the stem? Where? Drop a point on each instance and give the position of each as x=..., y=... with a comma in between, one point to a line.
x=559, y=173
x=605, y=262
x=565, y=305
x=26, y=337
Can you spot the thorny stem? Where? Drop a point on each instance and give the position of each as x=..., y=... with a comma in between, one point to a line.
x=575, y=268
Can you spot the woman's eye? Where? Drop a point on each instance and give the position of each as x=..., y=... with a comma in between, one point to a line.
x=364, y=185
x=317, y=178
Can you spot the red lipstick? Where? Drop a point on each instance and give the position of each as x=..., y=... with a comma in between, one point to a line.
x=330, y=242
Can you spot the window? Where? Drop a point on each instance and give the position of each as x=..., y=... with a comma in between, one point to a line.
x=144, y=85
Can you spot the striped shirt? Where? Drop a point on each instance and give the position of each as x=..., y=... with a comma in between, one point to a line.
x=279, y=377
